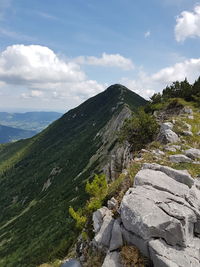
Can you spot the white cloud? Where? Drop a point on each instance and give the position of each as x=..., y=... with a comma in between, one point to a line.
x=188, y=24
x=189, y=69
x=44, y=74
x=147, y=84
x=147, y=34
x=107, y=60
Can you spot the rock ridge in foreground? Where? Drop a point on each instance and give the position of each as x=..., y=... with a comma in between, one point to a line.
x=160, y=215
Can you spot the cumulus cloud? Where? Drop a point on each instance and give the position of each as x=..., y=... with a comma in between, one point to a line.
x=189, y=69
x=45, y=74
x=147, y=84
x=107, y=60
x=188, y=24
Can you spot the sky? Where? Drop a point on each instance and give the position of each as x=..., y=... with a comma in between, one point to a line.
x=56, y=54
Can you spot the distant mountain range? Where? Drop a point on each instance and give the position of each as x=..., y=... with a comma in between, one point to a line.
x=16, y=126
x=42, y=176
x=31, y=121
x=10, y=134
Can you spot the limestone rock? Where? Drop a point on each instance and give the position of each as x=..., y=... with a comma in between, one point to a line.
x=116, y=238
x=181, y=176
x=179, y=158
x=193, y=153
x=167, y=136
x=187, y=133
x=112, y=204
x=161, y=216
x=102, y=238
x=98, y=216
x=112, y=259
x=166, y=126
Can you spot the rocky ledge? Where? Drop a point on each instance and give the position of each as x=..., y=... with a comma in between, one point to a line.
x=160, y=215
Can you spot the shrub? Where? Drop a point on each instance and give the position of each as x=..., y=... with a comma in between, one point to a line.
x=139, y=130
x=80, y=220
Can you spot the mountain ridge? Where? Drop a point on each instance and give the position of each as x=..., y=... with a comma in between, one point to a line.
x=42, y=176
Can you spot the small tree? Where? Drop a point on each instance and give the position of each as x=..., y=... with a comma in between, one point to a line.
x=139, y=130
x=80, y=220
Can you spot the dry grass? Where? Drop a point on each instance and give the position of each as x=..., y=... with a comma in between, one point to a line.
x=131, y=257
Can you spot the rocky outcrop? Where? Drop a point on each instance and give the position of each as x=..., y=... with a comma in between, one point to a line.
x=178, y=158
x=166, y=135
x=166, y=226
x=193, y=153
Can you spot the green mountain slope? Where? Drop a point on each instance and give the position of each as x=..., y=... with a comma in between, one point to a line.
x=31, y=121
x=9, y=134
x=41, y=177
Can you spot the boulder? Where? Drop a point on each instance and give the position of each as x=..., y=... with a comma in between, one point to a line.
x=116, y=238
x=181, y=176
x=112, y=259
x=166, y=126
x=179, y=158
x=98, y=216
x=102, y=238
x=161, y=216
x=112, y=204
x=187, y=133
x=193, y=153
x=167, y=136
x=164, y=255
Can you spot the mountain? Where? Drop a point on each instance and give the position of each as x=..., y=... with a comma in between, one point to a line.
x=9, y=134
x=31, y=121
x=42, y=176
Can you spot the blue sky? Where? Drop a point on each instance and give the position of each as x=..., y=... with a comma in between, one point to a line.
x=56, y=54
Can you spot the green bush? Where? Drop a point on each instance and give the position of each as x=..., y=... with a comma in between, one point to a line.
x=139, y=130
x=80, y=220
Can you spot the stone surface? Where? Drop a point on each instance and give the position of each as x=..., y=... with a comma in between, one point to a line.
x=193, y=153
x=112, y=203
x=187, y=133
x=116, y=237
x=98, y=216
x=167, y=136
x=102, y=238
x=161, y=216
x=112, y=259
x=166, y=126
x=179, y=158
x=181, y=176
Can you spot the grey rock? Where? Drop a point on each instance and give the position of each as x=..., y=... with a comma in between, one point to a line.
x=164, y=255
x=187, y=133
x=135, y=240
x=148, y=220
x=102, y=238
x=161, y=216
x=166, y=126
x=188, y=126
x=116, y=238
x=193, y=153
x=98, y=216
x=169, y=148
x=179, y=158
x=112, y=259
x=181, y=176
x=191, y=117
x=158, y=152
x=198, y=133
x=112, y=203
x=167, y=136
x=160, y=181
x=187, y=110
